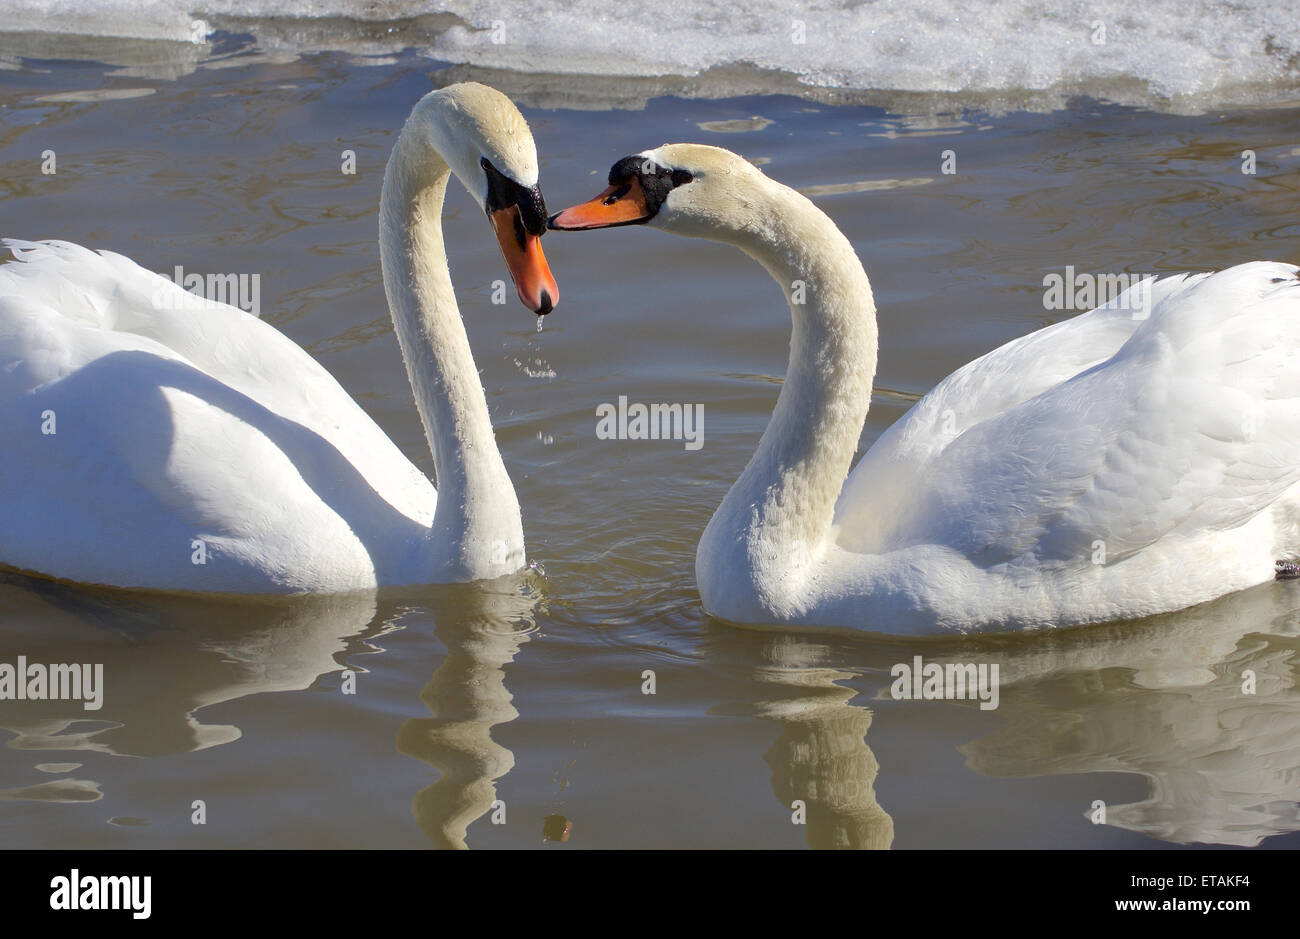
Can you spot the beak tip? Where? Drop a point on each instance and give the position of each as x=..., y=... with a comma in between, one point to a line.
x=545, y=303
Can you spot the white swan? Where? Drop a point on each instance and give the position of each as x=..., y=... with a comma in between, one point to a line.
x=151, y=444
x=1113, y=465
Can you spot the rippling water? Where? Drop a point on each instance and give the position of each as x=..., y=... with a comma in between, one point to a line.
x=480, y=710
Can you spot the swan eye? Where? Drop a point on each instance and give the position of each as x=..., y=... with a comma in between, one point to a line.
x=681, y=178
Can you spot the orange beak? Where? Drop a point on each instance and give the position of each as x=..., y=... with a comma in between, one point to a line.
x=623, y=204
x=524, y=258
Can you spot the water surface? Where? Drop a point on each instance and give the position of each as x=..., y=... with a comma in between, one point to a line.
x=528, y=693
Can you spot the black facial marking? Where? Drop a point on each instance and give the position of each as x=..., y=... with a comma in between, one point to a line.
x=656, y=181
x=504, y=192
x=521, y=237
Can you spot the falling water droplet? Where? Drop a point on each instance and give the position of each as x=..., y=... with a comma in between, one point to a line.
x=541, y=320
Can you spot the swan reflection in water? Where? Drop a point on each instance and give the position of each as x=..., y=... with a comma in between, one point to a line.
x=1168, y=698
x=820, y=757
x=1165, y=699
x=165, y=658
x=482, y=628
x=1203, y=703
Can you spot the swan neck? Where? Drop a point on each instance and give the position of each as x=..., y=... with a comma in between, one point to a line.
x=477, y=511
x=782, y=507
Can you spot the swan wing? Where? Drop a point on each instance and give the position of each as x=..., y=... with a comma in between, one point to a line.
x=176, y=419
x=1107, y=428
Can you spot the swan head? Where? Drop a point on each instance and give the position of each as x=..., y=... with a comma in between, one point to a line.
x=687, y=189
x=486, y=143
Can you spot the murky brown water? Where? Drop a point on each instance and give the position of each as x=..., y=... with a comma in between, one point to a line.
x=529, y=694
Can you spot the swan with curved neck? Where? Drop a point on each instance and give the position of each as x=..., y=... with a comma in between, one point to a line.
x=190, y=446
x=1111, y=466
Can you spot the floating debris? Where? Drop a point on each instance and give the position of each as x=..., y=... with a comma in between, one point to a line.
x=739, y=126
x=556, y=828
x=866, y=185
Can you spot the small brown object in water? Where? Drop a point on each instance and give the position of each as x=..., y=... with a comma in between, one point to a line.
x=556, y=828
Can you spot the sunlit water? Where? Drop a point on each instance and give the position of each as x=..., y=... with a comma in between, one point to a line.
x=480, y=710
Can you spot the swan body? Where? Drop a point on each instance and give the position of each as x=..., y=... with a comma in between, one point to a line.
x=1133, y=460
x=155, y=442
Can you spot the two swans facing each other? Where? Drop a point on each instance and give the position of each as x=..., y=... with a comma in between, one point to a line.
x=1107, y=467
x=149, y=445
